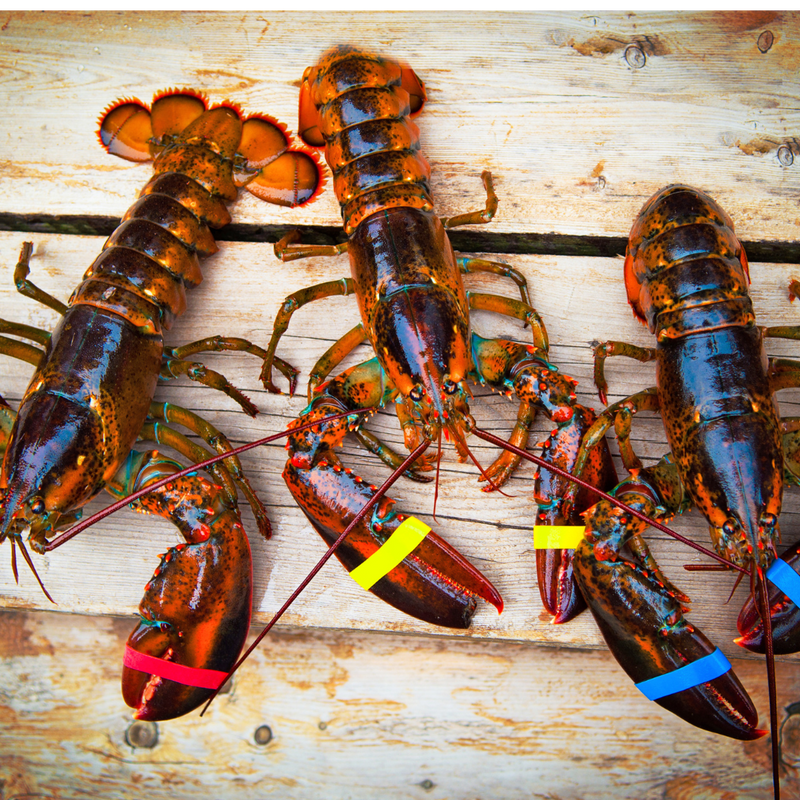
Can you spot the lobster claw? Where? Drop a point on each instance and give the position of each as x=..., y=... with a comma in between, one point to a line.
x=435, y=583
x=195, y=612
x=648, y=635
x=784, y=614
x=560, y=594
x=641, y=615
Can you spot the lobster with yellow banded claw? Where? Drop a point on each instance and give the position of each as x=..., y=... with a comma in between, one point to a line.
x=415, y=316
x=91, y=396
x=731, y=454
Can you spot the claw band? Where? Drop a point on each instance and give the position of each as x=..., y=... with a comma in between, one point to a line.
x=701, y=671
x=401, y=543
x=188, y=676
x=557, y=537
x=786, y=579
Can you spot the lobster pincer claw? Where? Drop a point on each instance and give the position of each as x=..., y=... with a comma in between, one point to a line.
x=560, y=594
x=195, y=612
x=433, y=582
x=784, y=584
x=641, y=618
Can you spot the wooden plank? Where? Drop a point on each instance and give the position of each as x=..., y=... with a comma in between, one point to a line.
x=581, y=300
x=578, y=135
x=353, y=716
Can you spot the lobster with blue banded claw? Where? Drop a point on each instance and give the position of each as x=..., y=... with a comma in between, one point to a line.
x=731, y=454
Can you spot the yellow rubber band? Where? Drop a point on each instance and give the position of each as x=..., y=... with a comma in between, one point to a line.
x=401, y=543
x=557, y=537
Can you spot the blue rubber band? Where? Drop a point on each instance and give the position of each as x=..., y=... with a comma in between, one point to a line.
x=701, y=671
x=786, y=579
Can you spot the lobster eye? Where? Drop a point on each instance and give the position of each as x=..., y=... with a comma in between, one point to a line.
x=450, y=387
x=769, y=520
x=729, y=527
x=36, y=505
x=416, y=394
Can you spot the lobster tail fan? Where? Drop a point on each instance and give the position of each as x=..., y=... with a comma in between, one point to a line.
x=126, y=130
x=273, y=171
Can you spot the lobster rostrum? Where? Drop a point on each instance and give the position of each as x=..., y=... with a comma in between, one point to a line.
x=415, y=316
x=687, y=278
x=91, y=396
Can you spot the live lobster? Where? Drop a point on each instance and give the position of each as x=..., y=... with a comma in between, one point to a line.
x=415, y=316
x=91, y=396
x=731, y=454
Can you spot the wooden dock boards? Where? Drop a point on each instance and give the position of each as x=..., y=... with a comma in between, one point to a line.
x=580, y=118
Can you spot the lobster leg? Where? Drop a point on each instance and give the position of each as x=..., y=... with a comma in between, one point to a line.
x=642, y=620
x=195, y=612
x=469, y=265
x=217, y=344
x=29, y=289
x=434, y=582
x=481, y=217
x=218, y=441
x=606, y=349
x=294, y=301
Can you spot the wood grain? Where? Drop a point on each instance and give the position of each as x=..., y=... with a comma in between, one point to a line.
x=362, y=716
x=576, y=137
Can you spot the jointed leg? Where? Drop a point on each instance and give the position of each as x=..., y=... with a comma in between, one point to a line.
x=289, y=248
x=218, y=344
x=29, y=289
x=231, y=466
x=294, y=301
x=469, y=265
x=606, y=349
x=513, y=308
x=477, y=217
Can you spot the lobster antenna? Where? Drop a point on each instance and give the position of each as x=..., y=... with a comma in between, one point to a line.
x=766, y=621
x=385, y=486
x=438, y=469
x=29, y=562
x=114, y=507
x=490, y=437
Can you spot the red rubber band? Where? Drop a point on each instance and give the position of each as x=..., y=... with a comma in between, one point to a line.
x=188, y=676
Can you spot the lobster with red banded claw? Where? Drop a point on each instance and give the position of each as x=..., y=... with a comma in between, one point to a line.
x=415, y=316
x=731, y=454
x=91, y=396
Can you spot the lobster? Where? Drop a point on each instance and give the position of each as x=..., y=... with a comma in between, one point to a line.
x=91, y=396
x=415, y=316
x=686, y=276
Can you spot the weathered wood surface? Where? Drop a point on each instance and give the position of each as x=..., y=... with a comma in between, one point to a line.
x=363, y=716
x=578, y=136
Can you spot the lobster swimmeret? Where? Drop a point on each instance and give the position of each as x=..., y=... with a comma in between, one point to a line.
x=687, y=277
x=415, y=315
x=91, y=395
